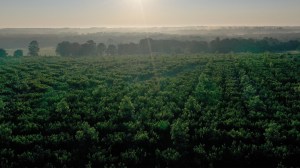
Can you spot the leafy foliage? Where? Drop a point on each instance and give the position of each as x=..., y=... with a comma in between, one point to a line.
x=149, y=46
x=33, y=48
x=18, y=53
x=3, y=53
x=206, y=110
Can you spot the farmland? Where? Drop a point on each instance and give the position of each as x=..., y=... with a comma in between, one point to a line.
x=174, y=110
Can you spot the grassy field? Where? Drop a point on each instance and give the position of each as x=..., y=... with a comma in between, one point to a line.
x=206, y=110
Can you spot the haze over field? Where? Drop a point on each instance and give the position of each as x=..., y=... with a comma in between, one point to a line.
x=126, y=21
x=130, y=13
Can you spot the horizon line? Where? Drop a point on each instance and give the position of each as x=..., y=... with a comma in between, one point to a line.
x=150, y=26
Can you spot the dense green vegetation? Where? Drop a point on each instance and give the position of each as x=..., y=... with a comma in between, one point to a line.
x=198, y=110
x=147, y=46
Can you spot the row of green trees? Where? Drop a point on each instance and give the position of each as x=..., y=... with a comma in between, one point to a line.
x=17, y=53
x=33, y=49
x=147, y=46
x=90, y=48
x=208, y=110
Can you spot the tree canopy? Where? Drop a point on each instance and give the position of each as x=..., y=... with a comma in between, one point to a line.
x=148, y=46
x=18, y=53
x=191, y=110
x=3, y=53
x=33, y=48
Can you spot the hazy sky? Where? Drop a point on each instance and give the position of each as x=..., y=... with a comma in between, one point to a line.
x=98, y=13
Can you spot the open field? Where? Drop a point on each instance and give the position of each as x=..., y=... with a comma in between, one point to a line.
x=190, y=110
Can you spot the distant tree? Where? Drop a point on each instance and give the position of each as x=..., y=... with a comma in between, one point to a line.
x=3, y=53
x=18, y=53
x=146, y=45
x=88, y=49
x=101, y=49
x=291, y=45
x=128, y=49
x=111, y=50
x=92, y=46
x=34, y=48
x=64, y=48
x=75, y=48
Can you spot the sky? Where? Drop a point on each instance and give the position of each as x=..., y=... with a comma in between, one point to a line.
x=130, y=13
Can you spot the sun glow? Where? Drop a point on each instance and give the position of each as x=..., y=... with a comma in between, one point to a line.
x=139, y=2
x=134, y=3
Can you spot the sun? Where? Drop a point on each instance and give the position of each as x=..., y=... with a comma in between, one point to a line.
x=138, y=11
x=135, y=5
x=139, y=2
x=135, y=2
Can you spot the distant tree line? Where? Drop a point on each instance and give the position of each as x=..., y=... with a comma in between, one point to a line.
x=146, y=46
x=252, y=45
x=33, y=49
x=90, y=48
x=17, y=53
